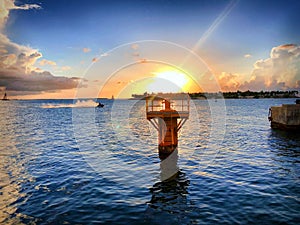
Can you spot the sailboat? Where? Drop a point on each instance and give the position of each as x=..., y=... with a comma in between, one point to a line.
x=5, y=97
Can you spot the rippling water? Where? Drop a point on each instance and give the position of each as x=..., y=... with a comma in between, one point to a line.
x=65, y=163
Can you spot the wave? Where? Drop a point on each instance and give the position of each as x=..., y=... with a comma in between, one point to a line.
x=77, y=104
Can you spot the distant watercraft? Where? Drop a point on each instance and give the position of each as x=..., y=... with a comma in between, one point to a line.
x=5, y=97
x=100, y=105
x=139, y=97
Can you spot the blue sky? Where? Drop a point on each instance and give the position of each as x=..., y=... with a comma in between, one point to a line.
x=237, y=33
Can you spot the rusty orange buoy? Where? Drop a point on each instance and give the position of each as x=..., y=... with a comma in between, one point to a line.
x=167, y=113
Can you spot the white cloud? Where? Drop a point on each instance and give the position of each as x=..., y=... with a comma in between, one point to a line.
x=104, y=55
x=229, y=81
x=280, y=71
x=7, y=5
x=247, y=56
x=17, y=70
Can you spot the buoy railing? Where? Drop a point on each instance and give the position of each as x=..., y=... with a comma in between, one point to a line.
x=167, y=113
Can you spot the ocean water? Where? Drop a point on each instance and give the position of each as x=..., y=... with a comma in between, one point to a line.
x=65, y=162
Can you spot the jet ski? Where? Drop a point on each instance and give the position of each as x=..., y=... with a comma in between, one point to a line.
x=100, y=105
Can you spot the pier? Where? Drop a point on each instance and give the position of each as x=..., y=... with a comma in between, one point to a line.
x=285, y=117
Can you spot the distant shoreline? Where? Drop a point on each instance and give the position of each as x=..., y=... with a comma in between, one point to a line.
x=198, y=95
x=232, y=95
x=246, y=95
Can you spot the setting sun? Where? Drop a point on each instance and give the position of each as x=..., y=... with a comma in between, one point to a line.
x=169, y=81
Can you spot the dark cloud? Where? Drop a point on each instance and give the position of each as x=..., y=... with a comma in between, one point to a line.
x=36, y=82
x=287, y=46
x=17, y=73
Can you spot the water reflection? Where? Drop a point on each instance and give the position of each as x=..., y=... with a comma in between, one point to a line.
x=286, y=143
x=169, y=203
x=167, y=193
x=12, y=171
x=285, y=146
x=168, y=166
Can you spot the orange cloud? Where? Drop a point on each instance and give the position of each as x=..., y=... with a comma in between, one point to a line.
x=8, y=60
x=142, y=60
x=95, y=59
x=65, y=68
x=3, y=50
x=85, y=50
x=134, y=46
x=229, y=81
x=47, y=62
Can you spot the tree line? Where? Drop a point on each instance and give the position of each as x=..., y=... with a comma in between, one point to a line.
x=245, y=94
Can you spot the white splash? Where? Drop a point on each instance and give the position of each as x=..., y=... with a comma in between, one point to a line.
x=77, y=104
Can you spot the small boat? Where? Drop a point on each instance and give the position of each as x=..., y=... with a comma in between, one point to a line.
x=100, y=105
x=5, y=97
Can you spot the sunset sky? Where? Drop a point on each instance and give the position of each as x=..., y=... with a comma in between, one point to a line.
x=67, y=49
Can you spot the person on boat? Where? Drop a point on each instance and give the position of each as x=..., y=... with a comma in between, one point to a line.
x=100, y=105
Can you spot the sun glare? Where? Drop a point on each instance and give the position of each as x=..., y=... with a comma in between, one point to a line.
x=169, y=81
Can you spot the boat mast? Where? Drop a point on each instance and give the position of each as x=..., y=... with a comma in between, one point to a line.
x=5, y=97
